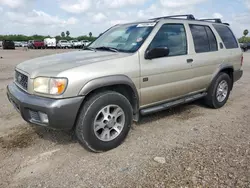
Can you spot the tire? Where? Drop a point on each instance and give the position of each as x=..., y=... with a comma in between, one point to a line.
x=214, y=101
x=84, y=130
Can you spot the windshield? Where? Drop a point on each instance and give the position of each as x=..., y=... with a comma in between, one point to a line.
x=124, y=38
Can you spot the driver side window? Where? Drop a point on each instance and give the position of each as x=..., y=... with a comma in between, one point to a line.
x=172, y=36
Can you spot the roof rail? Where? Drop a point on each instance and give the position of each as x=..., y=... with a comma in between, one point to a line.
x=188, y=17
x=216, y=20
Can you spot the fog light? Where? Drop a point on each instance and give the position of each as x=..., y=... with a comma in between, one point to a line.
x=43, y=117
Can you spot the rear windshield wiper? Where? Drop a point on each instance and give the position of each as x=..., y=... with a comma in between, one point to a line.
x=107, y=48
x=89, y=48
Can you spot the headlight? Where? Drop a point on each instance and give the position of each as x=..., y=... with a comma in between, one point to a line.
x=53, y=86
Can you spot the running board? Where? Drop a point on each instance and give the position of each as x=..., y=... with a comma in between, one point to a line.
x=171, y=104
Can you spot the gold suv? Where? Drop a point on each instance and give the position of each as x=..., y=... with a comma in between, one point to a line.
x=130, y=70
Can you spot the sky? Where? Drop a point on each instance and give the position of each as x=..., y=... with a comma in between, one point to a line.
x=51, y=17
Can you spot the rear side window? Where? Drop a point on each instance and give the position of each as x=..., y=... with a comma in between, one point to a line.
x=227, y=36
x=204, y=39
x=212, y=40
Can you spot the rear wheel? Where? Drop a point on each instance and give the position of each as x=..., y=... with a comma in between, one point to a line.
x=219, y=91
x=104, y=121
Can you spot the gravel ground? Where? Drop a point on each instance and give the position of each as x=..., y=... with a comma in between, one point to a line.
x=199, y=147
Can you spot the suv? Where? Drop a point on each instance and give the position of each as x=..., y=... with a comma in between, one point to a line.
x=131, y=70
x=8, y=44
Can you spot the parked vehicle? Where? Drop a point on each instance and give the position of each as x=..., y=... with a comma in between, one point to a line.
x=24, y=44
x=50, y=42
x=30, y=44
x=8, y=44
x=75, y=44
x=64, y=44
x=36, y=44
x=85, y=43
x=244, y=47
x=1, y=43
x=130, y=70
x=17, y=44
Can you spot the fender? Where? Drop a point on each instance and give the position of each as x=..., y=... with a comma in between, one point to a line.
x=220, y=69
x=109, y=81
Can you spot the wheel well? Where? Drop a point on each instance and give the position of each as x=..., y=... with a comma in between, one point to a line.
x=123, y=89
x=229, y=71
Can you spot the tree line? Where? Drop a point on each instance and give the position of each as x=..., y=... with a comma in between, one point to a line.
x=244, y=38
x=90, y=37
x=62, y=36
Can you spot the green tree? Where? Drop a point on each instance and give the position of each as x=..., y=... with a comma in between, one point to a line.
x=90, y=34
x=245, y=32
x=62, y=34
x=67, y=33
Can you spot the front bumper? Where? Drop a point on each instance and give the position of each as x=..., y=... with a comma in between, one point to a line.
x=237, y=75
x=61, y=113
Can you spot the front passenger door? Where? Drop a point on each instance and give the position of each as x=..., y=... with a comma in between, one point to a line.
x=167, y=77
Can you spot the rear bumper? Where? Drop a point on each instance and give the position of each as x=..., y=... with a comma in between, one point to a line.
x=237, y=75
x=61, y=112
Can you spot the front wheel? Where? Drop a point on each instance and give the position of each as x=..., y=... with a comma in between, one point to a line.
x=104, y=121
x=219, y=91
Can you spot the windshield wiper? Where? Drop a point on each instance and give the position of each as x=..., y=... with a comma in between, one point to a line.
x=89, y=48
x=107, y=48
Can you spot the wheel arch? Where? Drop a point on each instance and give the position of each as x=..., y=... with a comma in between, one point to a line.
x=228, y=69
x=119, y=83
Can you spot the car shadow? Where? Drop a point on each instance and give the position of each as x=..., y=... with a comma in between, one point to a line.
x=57, y=136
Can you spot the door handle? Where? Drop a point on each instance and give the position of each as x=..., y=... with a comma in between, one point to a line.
x=190, y=60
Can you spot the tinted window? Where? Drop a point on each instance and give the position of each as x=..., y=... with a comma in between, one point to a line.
x=200, y=37
x=172, y=36
x=204, y=39
x=212, y=40
x=227, y=36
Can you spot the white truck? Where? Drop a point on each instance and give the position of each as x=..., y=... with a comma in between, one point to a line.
x=63, y=44
x=85, y=43
x=50, y=42
x=75, y=44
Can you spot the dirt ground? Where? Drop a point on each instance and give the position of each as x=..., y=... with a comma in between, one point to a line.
x=202, y=147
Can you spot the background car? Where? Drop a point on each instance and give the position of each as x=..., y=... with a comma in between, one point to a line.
x=24, y=44
x=8, y=44
x=64, y=44
x=244, y=47
x=50, y=42
x=36, y=44
x=18, y=44
x=75, y=44
x=85, y=43
x=1, y=43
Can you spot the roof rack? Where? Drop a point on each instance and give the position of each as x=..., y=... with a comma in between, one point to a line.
x=216, y=20
x=188, y=17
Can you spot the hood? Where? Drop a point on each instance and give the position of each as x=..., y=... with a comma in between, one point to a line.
x=54, y=64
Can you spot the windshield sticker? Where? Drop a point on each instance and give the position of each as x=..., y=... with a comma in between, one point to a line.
x=139, y=39
x=146, y=24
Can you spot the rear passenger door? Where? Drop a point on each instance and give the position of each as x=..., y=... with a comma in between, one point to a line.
x=206, y=55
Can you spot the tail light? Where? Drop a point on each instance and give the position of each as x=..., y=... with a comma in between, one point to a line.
x=242, y=58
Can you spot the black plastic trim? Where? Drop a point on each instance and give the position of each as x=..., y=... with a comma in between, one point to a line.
x=61, y=112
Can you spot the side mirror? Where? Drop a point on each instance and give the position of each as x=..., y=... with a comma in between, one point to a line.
x=157, y=53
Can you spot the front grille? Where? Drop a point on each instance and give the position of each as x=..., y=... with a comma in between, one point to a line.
x=21, y=80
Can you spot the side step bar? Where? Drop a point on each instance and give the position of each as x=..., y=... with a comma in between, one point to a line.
x=171, y=104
